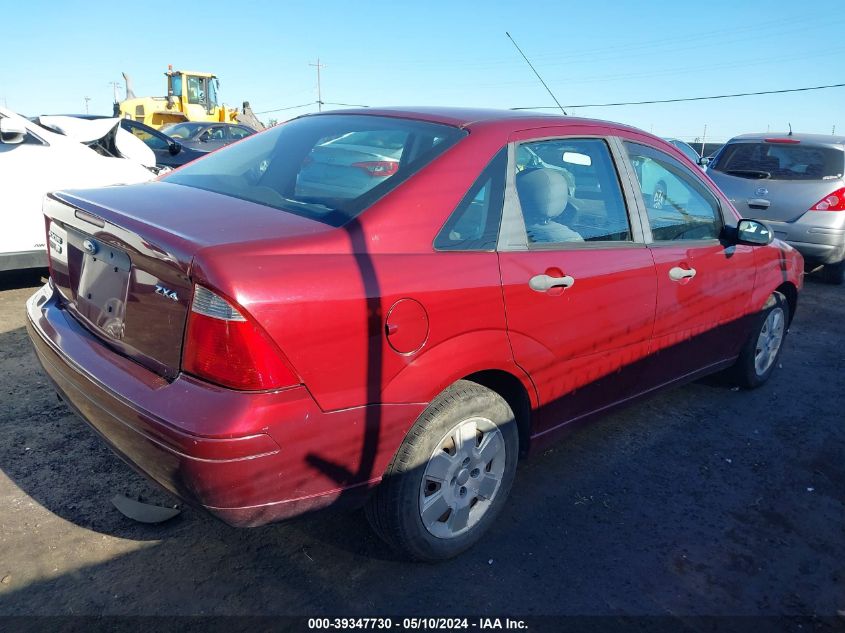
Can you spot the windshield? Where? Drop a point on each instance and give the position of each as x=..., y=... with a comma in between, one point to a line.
x=181, y=130
x=688, y=151
x=781, y=161
x=327, y=168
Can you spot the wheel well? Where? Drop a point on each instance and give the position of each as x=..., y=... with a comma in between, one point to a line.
x=512, y=390
x=788, y=290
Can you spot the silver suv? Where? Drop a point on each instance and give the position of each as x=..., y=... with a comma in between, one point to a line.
x=795, y=183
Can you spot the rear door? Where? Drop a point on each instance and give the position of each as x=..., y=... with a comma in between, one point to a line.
x=578, y=280
x=703, y=285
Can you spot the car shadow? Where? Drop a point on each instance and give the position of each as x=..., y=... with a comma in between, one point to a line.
x=15, y=279
x=649, y=511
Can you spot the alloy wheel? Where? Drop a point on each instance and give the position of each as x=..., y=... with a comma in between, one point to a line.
x=769, y=340
x=462, y=477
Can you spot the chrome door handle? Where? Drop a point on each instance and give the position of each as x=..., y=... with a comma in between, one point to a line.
x=543, y=283
x=759, y=203
x=677, y=273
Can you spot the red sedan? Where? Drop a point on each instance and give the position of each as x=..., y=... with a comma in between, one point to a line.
x=389, y=307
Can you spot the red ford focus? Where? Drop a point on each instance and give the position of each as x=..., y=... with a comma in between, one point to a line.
x=389, y=307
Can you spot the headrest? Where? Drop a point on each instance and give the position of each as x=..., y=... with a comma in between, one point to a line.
x=543, y=193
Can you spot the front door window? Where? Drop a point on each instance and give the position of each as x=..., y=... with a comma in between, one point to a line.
x=679, y=206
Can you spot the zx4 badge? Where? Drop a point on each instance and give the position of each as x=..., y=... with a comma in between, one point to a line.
x=166, y=292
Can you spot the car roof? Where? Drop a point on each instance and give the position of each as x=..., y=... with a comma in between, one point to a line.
x=818, y=139
x=470, y=117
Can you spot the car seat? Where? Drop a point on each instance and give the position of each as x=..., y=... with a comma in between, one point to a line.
x=544, y=197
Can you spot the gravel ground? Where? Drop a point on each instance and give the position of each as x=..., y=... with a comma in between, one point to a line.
x=702, y=500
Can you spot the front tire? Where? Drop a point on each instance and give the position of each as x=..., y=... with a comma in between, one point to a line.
x=761, y=352
x=450, y=478
x=834, y=273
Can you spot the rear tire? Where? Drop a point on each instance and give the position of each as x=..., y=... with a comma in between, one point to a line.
x=834, y=273
x=761, y=351
x=450, y=477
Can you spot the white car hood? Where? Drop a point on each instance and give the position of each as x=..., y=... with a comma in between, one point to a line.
x=88, y=131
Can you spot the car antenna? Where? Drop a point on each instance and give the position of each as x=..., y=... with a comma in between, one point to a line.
x=536, y=73
x=790, y=128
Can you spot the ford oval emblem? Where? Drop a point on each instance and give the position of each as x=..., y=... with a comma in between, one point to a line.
x=762, y=191
x=90, y=246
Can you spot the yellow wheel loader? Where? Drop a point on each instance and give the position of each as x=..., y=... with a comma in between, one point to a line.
x=191, y=96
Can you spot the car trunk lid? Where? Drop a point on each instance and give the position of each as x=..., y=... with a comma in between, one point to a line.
x=121, y=258
x=777, y=200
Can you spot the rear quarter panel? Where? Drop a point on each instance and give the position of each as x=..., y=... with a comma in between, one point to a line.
x=325, y=299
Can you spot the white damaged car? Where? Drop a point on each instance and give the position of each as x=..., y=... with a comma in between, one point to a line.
x=59, y=153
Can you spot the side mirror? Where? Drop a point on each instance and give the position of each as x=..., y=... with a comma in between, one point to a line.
x=754, y=233
x=175, y=148
x=204, y=137
x=11, y=132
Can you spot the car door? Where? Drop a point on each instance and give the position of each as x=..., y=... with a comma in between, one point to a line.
x=237, y=132
x=25, y=166
x=152, y=138
x=703, y=282
x=578, y=280
x=213, y=138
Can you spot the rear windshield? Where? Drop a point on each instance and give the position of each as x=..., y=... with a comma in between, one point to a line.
x=327, y=168
x=781, y=161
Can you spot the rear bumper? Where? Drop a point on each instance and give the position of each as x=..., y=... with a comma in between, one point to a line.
x=23, y=259
x=818, y=236
x=248, y=458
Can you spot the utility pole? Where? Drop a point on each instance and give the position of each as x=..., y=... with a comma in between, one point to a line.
x=703, y=139
x=115, y=85
x=87, y=99
x=319, y=92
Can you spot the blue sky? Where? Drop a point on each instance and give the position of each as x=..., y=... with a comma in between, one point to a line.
x=446, y=53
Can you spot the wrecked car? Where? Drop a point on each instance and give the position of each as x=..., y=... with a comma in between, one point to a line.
x=59, y=153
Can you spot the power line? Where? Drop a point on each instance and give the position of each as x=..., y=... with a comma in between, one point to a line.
x=348, y=105
x=725, y=96
x=304, y=105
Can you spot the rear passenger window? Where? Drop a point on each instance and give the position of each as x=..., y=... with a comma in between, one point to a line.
x=569, y=192
x=679, y=205
x=474, y=224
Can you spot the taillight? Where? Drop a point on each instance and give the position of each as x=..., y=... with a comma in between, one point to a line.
x=225, y=346
x=379, y=168
x=785, y=141
x=831, y=202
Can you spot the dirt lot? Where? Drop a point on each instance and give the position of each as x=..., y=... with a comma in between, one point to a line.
x=702, y=500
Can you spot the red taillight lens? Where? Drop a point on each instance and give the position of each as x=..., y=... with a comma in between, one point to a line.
x=831, y=202
x=378, y=168
x=224, y=346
